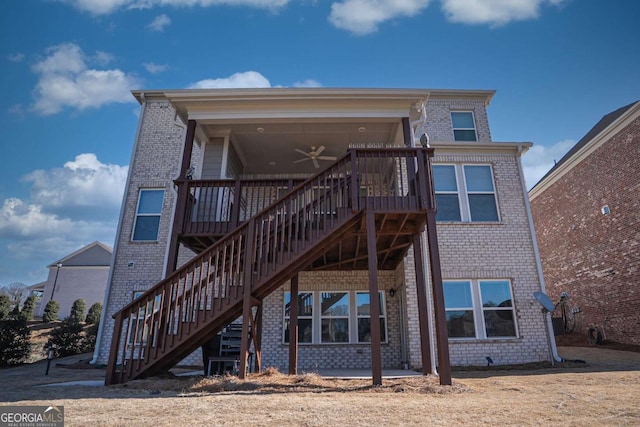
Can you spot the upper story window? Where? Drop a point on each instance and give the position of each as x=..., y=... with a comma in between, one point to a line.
x=465, y=193
x=147, y=221
x=479, y=309
x=464, y=126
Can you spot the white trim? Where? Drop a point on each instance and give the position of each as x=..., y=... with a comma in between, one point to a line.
x=453, y=128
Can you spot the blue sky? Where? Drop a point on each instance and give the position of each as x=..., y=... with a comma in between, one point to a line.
x=68, y=119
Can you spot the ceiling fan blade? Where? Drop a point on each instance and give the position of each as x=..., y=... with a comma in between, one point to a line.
x=302, y=160
x=326, y=158
x=302, y=152
x=316, y=164
x=320, y=150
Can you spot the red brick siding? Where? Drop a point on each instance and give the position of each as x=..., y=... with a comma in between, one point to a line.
x=596, y=257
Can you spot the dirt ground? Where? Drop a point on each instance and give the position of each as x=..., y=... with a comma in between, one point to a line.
x=605, y=390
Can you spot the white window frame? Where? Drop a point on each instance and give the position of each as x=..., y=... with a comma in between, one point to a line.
x=352, y=318
x=463, y=193
x=474, y=128
x=138, y=215
x=383, y=316
x=479, y=310
x=313, y=310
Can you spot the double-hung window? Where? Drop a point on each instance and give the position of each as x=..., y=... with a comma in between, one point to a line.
x=465, y=193
x=336, y=317
x=305, y=317
x=479, y=309
x=147, y=222
x=464, y=126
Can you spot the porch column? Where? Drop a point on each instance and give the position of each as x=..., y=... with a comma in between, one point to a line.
x=293, y=327
x=257, y=337
x=423, y=314
x=181, y=202
x=374, y=300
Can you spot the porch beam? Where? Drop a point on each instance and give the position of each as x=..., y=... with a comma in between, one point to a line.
x=374, y=300
x=293, y=327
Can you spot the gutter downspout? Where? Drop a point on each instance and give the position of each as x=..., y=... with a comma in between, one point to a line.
x=536, y=252
x=103, y=315
x=421, y=106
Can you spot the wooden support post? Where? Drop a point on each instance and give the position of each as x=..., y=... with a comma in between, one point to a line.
x=181, y=201
x=293, y=327
x=374, y=300
x=423, y=314
x=249, y=256
x=442, y=338
x=257, y=340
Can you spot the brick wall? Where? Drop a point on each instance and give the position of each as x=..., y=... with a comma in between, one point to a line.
x=596, y=257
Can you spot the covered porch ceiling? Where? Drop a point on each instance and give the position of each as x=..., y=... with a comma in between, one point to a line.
x=271, y=147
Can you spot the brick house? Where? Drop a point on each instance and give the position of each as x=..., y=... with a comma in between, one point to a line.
x=587, y=217
x=328, y=195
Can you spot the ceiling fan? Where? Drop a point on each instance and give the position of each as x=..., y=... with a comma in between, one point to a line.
x=314, y=155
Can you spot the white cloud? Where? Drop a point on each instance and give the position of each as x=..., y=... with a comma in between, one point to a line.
x=83, y=183
x=103, y=7
x=68, y=208
x=247, y=79
x=364, y=16
x=308, y=83
x=65, y=80
x=494, y=12
x=540, y=159
x=159, y=23
x=155, y=68
x=16, y=57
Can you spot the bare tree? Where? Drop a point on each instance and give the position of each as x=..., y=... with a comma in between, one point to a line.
x=16, y=292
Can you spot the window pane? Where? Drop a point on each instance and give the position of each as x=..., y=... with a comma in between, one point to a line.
x=499, y=323
x=457, y=294
x=362, y=304
x=150, y=201
x=495, y=294
x=305, y=304
x=364, y=330
x=304, y=330
x=448, y=207
x=464, y=135
x=478, y=178
x=483, y=207
x=460, y=324
x=444, y=178
x=146, y=228
x=335, y=303
x=462, y=119
x=335, y=330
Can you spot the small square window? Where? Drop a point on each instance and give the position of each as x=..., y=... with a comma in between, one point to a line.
x=464, y=128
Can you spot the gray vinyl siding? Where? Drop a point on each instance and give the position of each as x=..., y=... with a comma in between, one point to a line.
x=212, y=161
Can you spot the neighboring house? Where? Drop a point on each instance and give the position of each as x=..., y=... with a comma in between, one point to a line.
x=37, y=290
x=82, y=274
x=587, y=216
x=230, y=167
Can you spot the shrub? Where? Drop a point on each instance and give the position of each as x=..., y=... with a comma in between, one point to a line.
x=78, y=310
x=5, y=306
x=15, y=341
x=15, y=313
x=68, y=337
x=29, y=307
x=89, y=339
x=51, y=311
x=93, y=316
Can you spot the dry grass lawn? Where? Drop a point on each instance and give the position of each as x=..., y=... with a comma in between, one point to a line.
x=604, y=391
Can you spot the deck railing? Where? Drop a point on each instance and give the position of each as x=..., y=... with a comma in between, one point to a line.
x=175, y=316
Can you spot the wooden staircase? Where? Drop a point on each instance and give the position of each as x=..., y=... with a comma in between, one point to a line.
x=183, y=311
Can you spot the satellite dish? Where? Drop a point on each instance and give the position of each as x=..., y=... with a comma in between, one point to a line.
x=545, y=301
